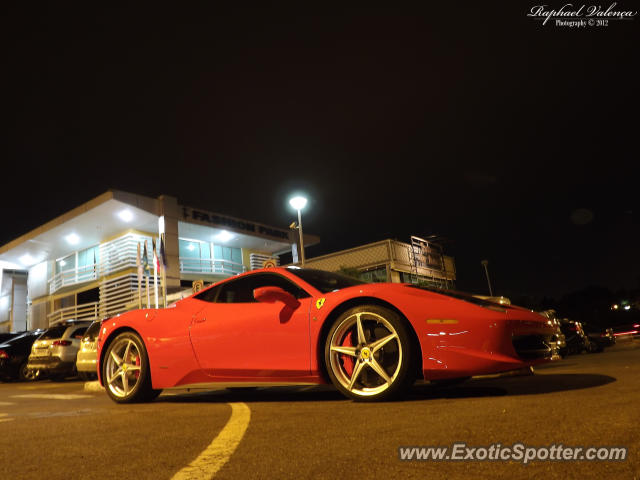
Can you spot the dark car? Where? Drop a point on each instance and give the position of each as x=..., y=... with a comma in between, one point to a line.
x=558, y=341
x=599, y=338
x=14, y=355
x=5, y=337
x=577, y=340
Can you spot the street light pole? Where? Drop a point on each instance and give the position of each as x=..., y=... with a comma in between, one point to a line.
x=299, y=203
x=486, y=271
x=301, y=238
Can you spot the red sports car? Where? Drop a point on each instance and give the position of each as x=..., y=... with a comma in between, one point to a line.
x=283, y=326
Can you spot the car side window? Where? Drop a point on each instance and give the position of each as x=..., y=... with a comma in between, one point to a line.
x=241, y=290
x=208, y=295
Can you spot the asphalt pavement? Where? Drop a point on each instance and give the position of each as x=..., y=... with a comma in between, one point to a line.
x=61, y=430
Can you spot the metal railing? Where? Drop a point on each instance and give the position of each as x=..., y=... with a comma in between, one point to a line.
x=87, y=311
x=73, y=276
x=210, y=266
x=118, y=254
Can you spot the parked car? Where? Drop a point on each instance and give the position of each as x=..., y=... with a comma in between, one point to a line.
x=558, y=341
x=304, y=326
x=629, y=330
x=86, y=362
x=599, y=338
x=14, y=355
x=54, y=352
x=5, y=336
x=577, y=340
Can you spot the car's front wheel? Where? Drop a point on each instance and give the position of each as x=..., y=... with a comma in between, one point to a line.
x=369, y=354
x=125, y=370
x=26, y=374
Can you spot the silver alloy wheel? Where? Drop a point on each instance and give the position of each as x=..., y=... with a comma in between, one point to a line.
x=375, y=350
x=123, y=367
x=28, y=373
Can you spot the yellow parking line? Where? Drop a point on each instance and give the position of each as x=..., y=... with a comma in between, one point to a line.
x=52, y=396
x=5, y=419
x=40, y=387
x=212, y=458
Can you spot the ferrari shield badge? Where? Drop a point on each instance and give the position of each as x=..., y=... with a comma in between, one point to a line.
x=320, y=303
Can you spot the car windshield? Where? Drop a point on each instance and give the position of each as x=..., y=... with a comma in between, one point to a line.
x=92, y=332
x=326, y=282
x=53, y=332
x=462, y=296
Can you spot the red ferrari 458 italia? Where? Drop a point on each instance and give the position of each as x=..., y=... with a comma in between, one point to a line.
x=283, y=326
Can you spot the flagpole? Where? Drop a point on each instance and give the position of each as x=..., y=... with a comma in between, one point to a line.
x=155, y=273
x=139, y=265
x=163, y=270
x=146, y=273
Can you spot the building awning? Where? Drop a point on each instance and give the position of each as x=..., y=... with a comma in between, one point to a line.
x=87, y=225
x=115, y=212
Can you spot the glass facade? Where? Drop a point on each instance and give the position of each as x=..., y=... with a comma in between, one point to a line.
x=205, y=257
x=79, y=266
x=230, y=254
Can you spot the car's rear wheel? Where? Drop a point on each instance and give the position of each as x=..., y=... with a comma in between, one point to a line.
x=125, y=370
x=369, y=354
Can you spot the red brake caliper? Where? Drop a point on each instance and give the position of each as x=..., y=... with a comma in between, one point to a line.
x=348, y=361
x=138, y=364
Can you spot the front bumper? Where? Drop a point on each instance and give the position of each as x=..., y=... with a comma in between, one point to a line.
x=478, y=347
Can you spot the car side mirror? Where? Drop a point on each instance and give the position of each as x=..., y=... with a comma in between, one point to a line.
x=275, y=294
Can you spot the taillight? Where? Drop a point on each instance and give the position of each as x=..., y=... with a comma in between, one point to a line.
x=62, y=343
x=3, y=354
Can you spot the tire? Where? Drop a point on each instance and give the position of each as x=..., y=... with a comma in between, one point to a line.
x=125, y=370
x=26, y=374
x=374, y=344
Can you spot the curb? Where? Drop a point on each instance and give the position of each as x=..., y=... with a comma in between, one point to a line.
x=93, y=386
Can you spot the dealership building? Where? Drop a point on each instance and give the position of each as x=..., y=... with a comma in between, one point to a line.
x=83, y=264
x=420, y=261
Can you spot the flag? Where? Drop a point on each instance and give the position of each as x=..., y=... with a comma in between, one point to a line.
x=139, y=264
x=163, y=253
x=145, y=261
x=156, y=264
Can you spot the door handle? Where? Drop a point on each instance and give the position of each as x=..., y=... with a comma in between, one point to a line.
x=200, y=320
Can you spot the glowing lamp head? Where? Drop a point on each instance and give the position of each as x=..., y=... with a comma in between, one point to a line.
x=224, y=236
x=72, y=239
x=27, y=260
x=125, y=215
x=298, y=202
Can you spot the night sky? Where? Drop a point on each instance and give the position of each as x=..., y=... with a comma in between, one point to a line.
x=515, y=142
